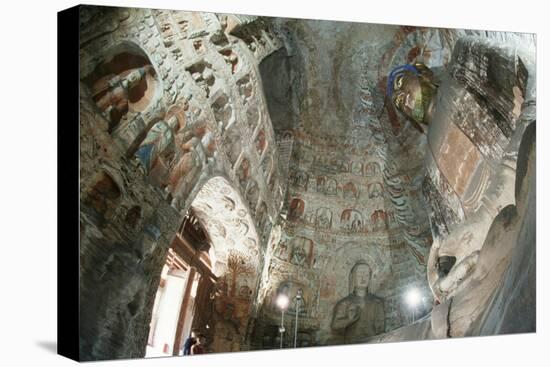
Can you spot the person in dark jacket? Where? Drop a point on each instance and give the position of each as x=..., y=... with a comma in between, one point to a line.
x=189, y=342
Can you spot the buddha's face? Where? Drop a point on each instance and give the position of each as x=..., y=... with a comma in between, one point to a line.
x=412, y=95
x=134, y=77
x=362, y=276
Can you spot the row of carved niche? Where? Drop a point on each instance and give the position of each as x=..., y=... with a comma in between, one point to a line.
x=233, y=143
x=163, y=135
x=257, y=38
x=253, y=195
x=223, y=110
x=174, y=27
x=359, y=144
x=201, y=70
x=301, y=251
x=245, y=85
x=330, y=186
x=201, y=64
x=173, y=125
x=159, y=126
x=339, y=165
x=202, y=76
x=350, y=218
x=111, y=193
x=242, y=164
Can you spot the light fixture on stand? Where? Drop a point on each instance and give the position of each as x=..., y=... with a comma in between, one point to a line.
x=282, y=302
x=297, y=300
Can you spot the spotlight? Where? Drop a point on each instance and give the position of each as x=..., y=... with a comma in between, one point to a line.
x=413, y=297
x=282, y=301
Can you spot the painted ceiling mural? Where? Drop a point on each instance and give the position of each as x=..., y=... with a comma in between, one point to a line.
x=227, y=220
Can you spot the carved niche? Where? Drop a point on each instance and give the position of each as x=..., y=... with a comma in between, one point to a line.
x=252, y=195
x=223, y=111
x=301, y=251
x=245, y=88
x=372, y=168
x=123, y=85
x=243, y=172
x=350, y=191
x=260, y=142
x=323, y=218
x=296, y=209
x=375, y=190
x=231, y=59
x=203, y=75
x=351, y=220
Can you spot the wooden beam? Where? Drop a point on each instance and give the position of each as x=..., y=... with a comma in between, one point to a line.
x=192, y=257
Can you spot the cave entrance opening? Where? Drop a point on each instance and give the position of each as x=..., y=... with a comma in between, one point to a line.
x=182, y=302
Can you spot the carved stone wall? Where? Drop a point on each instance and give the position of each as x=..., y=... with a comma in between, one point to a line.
x=169, y=101
x=279, y=135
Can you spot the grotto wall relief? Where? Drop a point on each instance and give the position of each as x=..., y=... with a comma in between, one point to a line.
x=310, y=179
x=165, y=101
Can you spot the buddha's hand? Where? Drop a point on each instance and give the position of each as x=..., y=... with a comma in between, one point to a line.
x=354, y=311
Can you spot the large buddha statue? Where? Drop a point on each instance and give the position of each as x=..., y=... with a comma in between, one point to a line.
x=360, y=314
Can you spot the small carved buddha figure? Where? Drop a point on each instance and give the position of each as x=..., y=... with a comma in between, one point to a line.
x=411, y=89
x=195, y=153
x=360, y=314
x=158, y=139
x=299, y=253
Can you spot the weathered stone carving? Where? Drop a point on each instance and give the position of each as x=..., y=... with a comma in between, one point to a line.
x=245, y=88
x=243, y=172
x=351, y=220
x=158, y=140
x=252, y=117
x=360, y=314
x=103, y=194
x=375, y=190
x=356, y=168
x=231, y=59
x=323, y=218
x=296, y=209
x=112, y=92
x=301, y=179
x=261, y=142
x=232, y=146
x=203, y=75
x=350, y=191
x=223, y=111
x=252, y=195
x=372, y=168
x=194, y=155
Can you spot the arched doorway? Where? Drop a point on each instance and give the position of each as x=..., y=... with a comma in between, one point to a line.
x=210, y=277
x=184, y=289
